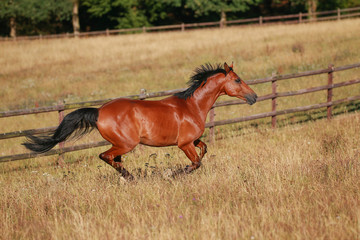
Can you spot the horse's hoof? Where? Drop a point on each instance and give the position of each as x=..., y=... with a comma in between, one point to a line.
x=130, y=178
x=188, y=169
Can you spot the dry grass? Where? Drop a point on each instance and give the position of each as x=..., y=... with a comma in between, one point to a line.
x=42, y=73
x=299, y=181
x=45, y=72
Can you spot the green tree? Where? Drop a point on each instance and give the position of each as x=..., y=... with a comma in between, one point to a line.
x=22, y=13
x=126, y=13
x=310, y=5
x=75, y=17
x=219, y=8
x=158, y=11
x=137, y=13
x=322, y=5
x=10, y=10
x=333, y=4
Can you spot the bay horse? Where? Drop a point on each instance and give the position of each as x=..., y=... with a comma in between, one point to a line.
x=175, y=120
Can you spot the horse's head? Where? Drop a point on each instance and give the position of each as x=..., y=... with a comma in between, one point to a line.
x=235, y=87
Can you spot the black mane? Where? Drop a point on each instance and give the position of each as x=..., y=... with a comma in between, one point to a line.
x=201, y=74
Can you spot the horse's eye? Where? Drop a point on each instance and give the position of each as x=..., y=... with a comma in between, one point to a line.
x=238, y=80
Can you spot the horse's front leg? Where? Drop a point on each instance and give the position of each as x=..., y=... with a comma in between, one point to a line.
x=203, y=148
x=190, y=152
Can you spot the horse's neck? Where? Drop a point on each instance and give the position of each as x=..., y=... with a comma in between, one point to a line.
x=204, y=98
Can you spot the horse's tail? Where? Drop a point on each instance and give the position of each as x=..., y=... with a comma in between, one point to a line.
x=77, y=124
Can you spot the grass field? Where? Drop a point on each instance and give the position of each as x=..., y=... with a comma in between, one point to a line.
x=46, y=72
x=300, y=181
x=297, y=182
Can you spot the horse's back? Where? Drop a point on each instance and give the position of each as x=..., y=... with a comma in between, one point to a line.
x=141, y=108
x=154, y=123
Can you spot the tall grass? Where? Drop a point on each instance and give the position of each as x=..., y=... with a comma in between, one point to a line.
x=45, y=72
x=42, y=73
x=296, y=182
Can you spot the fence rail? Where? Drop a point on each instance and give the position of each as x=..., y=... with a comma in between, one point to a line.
x=211, y=124
x=290, y=18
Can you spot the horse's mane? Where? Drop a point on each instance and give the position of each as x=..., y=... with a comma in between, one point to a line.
x=201, y=74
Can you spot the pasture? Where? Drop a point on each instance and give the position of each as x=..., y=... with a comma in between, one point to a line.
x=299, y=181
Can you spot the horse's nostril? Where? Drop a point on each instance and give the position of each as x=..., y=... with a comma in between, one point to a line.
x=251, y=98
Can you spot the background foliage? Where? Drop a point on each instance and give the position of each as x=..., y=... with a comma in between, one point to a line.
x=38, y=17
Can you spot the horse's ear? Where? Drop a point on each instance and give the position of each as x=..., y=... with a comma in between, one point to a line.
x=227, y=68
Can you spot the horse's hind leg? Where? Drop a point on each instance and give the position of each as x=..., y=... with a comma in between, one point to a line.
x=113, y=158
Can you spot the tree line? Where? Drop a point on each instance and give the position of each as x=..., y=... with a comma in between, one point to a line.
x=34, y=17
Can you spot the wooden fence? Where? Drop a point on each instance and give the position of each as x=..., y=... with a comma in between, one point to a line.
x=211, y=124
x=289, y=19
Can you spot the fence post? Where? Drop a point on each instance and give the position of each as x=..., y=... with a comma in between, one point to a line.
x=330, y=90
x=273, y=100
x=260, y=20
x=182, y=27
x=338, y=14
x=142, y=95
x=61, y=161
x=300, y=17
x=211, y=128
x=144, y=29
x=107, y=32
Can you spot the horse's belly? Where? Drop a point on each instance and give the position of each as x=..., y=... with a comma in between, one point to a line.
x=159, y=133
x=158, y=142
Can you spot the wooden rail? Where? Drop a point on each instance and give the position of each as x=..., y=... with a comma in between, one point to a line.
x=211, y=124
x=261, y=20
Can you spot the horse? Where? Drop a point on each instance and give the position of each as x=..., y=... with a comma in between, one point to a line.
x=178, y=120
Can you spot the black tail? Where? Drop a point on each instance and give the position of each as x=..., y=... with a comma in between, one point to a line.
x=79, y=122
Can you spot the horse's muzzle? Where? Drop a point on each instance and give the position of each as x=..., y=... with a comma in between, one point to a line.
x=251, y=98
